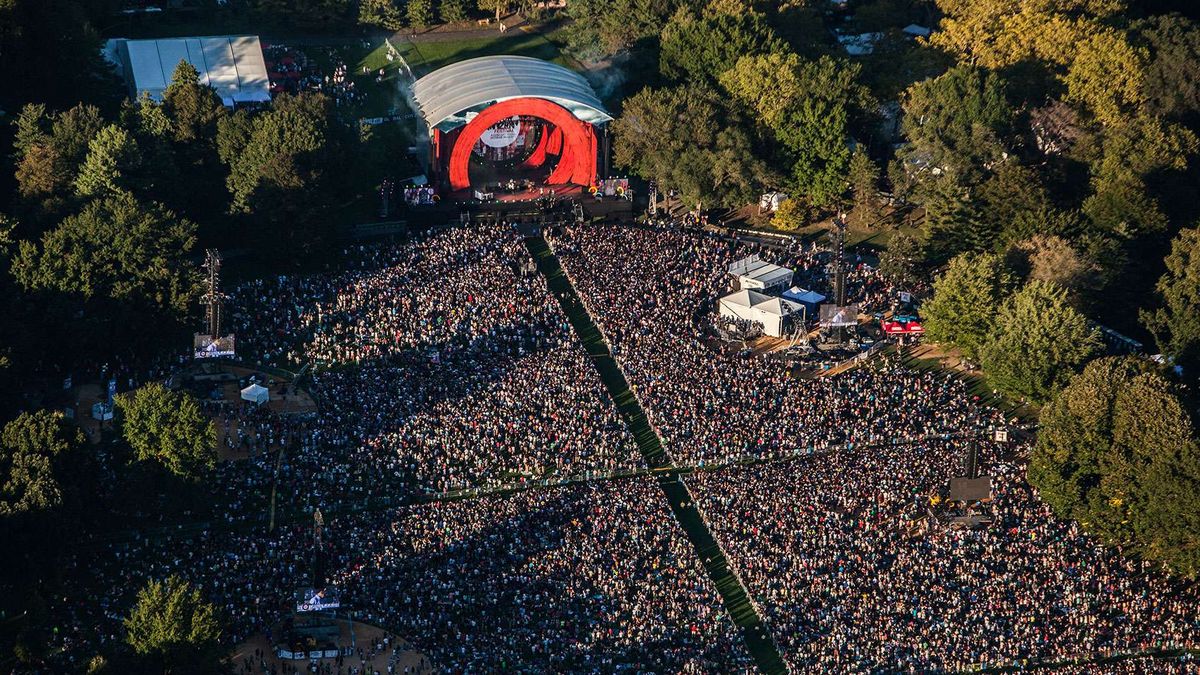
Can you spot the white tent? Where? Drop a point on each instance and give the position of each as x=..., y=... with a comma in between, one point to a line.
x=749, y=305
x=756, y=274
x=231, y=64
x=256, y=393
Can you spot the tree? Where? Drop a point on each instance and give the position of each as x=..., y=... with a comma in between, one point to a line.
x=809, y=106
x=685, y=139
x=112, y=157
x=957, y=122
x=73, y=130
x=117, y=249
x=1008, y=198
x=453, y=11
x=282, y=151
x=420, y=13
x=500, y=7
x=31, y=124
x=193, y=108
x=1054, y=260
x=791, y=215
x=965, y=298
x=33, y=448
x=603, y=28
x=864, y=186
x=1117, y=452
x=1107, y=77
x=1171, y=80
x=1001, y=33
x=953, y=223
x=42, y=173
x=1176, y=324
x=382, y=13
x=288, y=173
x=173, y=624
x=900, y=262
x=169, y=428
x=702, y=47
x=1123, y=208
x=1040, y=342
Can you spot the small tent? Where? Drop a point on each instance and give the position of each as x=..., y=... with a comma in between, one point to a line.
x=772, y=313
x=256, y=393
x=810, y=299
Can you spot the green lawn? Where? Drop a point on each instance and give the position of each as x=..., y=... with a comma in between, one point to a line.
x=426, y=57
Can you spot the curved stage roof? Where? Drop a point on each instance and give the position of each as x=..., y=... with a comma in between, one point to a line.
x=446, y=95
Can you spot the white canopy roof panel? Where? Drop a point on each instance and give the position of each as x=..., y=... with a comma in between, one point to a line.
x=448, y=94
x=231, y=64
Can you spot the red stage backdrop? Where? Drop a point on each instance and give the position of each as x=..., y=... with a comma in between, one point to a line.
x=576, y=164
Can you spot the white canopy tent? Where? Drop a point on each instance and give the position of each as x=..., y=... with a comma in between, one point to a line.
x=754, y=273
x=256, y=393
x=750, y=305
x=231, y=64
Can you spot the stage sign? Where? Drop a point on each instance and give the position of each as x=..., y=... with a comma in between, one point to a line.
x=207, y=347
x=503, y=133
x=317, y=601
x=833, y=316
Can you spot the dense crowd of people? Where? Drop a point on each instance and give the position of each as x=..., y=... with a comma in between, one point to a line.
x=444, y=362
x=653, y=289
x=832, y=553
x=441, y=363
x=587, y=578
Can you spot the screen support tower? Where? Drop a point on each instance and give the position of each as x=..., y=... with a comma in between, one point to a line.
x=213, y=298
x=839, y=272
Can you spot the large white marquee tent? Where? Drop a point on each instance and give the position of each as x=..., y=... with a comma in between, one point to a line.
x=231, y=64
x=771, y=312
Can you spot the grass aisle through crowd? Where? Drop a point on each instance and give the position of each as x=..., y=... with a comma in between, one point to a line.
x=733, y=593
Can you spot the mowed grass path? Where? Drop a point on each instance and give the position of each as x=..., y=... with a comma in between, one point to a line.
x=733, y=594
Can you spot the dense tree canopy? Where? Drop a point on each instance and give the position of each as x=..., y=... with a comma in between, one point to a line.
x=1040, y=341
x=1176, y=324
x=808, y=105
x=702, y=47
x=965, y=300
x=685, y=138
x=169, y=428
x=1117, y=452
x=1000, y=33
x=602, y=28
x=958, y=122
x=115, y=248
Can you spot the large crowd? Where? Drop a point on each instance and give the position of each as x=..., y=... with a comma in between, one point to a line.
x=586, y=578
x=653, y=289
x=443, y=362
x=832, y=552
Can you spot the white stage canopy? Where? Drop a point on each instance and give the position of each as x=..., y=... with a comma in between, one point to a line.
x=756, y=274
x=771, y=312
x=231, y=64
x=256, y=393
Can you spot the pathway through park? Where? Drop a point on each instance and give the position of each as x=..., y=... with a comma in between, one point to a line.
x=733, y=592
